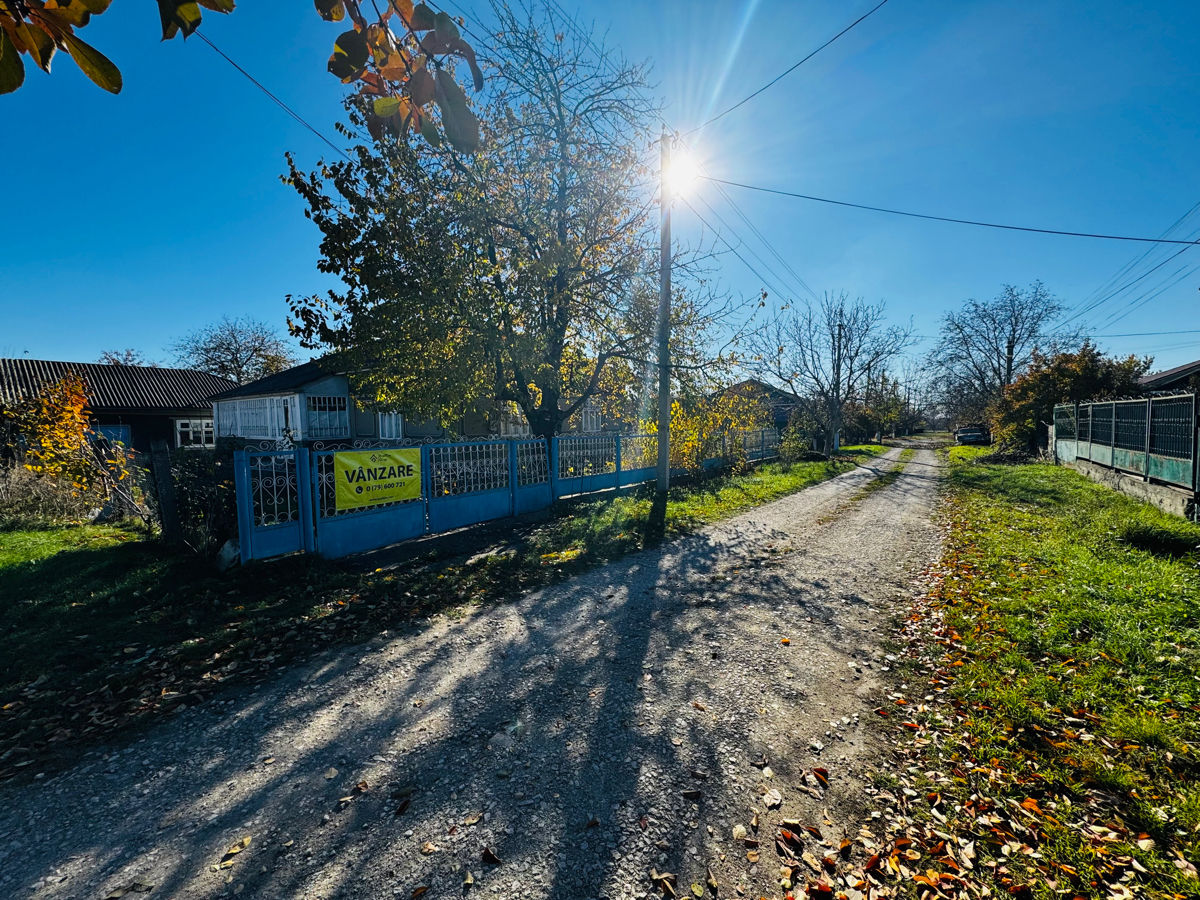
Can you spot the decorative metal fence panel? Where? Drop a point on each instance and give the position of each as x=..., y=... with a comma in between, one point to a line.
x=468, y=483
x=340, y=532
x=533, y=490
x=585, y=463
x=1155, y=437
x=288, y=499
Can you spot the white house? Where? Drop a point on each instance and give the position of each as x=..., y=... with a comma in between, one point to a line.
x=313, y=402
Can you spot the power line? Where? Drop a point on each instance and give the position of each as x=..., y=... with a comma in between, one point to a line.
x=785, y=72
x=780, y=284
x=726, y=242
x=258, y=84
x=1148, y=333
x=914, y=215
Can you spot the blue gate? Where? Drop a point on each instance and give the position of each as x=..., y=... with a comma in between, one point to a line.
x=273, y=508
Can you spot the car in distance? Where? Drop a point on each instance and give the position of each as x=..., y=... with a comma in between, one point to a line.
x=972, y=434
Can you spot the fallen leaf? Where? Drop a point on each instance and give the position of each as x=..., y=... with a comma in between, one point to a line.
x=490, y=857
x=697, y=890
x=331, y=772
x=752, y=855
x=403, y=807
x=474, y=818
x=822, y=776
x=428, y=847
x=772, y=799
x=420, y=891
x=785, y=641
x=700, y=706
x=754, y=822
x=692, y=795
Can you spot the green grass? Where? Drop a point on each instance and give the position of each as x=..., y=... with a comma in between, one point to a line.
x=104, y=627
x=1076, y=613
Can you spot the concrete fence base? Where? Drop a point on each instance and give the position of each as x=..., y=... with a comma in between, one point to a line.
x=1177, y=501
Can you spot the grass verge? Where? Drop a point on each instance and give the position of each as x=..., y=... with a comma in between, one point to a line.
x=1056, y=752
x=105, y=629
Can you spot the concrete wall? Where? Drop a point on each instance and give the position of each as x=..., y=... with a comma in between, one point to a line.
x=1177, y=501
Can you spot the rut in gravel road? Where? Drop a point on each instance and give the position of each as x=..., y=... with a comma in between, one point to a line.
x=584, y=734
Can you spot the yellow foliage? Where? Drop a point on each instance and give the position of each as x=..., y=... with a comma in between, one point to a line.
x=699, y=428
x=54, y=430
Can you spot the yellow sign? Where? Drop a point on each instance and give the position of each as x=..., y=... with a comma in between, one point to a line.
x=369, y=477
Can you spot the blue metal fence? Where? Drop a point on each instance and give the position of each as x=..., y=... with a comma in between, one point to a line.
x=287, y=499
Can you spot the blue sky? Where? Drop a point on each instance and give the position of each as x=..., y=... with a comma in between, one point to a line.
x=136, y=218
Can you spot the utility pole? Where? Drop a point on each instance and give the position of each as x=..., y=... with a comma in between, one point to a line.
x=664, y=320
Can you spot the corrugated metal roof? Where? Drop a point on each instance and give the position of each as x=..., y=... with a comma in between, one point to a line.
x=283, y=382
x=1179, y=373
x=111, y=388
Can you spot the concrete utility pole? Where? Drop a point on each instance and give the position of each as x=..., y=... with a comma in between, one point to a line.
x=664, y=321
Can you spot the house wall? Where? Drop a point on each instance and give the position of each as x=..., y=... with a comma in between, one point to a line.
x=144, y=429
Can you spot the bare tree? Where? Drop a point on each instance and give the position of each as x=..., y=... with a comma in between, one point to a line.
x=242, y=349
x=828, y=353
x=126, y=357
x=986, y=344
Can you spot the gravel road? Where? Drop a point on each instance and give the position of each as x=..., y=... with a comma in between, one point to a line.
x=626, y=720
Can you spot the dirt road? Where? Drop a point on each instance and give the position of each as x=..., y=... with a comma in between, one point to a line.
x=623, y=721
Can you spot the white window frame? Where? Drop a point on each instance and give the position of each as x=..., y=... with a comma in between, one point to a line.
x=391, y=426
x=512, y=422
x=207, y=429
x=326, y=416
x=590, y=419
x=270, y=418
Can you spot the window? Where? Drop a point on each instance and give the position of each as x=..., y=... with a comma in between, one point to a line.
x=328, y=417
x=194, y=433
x=256, y=418
x=391, y=426
x=589, y=418
x=512, y=422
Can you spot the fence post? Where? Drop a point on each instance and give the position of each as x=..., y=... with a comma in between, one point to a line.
x=1149, y=431
x=245, y=503
x=426, y=484
x=617, y=454
x=552, y=450
x=762, y=444
x=308, y=496
x=512, y=477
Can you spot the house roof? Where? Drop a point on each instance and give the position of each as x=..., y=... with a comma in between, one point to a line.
x=282, y=382
x=113, y=388
x=1170, y=376
x=776, y=396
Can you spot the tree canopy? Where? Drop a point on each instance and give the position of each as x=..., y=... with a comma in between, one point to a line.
x=1024, y=409
x=522, y=274
x=241, y=349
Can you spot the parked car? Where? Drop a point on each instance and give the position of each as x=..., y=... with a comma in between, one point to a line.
x=972, y=434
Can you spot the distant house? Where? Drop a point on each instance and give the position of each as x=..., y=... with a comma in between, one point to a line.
x=1180, y=378
x=779, y=402
x=314, y=402
x=134, y=405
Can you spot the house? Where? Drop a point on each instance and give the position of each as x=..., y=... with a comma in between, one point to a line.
x=314, y=401
x=134, y=405
x=779, y=402
x=1180, y=378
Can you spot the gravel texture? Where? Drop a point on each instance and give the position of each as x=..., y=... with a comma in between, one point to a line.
x=624, y=721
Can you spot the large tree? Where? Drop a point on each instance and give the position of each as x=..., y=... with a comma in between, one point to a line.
x=241, y=349
x=515, y=276
x=1021, y=414
x=828, y=353
x=986, y=344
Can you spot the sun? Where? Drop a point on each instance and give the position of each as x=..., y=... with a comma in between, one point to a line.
x=681, y=176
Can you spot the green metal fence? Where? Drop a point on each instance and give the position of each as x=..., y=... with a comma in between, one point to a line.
x=1154, y=437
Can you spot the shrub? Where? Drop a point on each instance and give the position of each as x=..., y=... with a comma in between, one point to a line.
x=205, y=497
x=793, y=445
x=28, y=501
